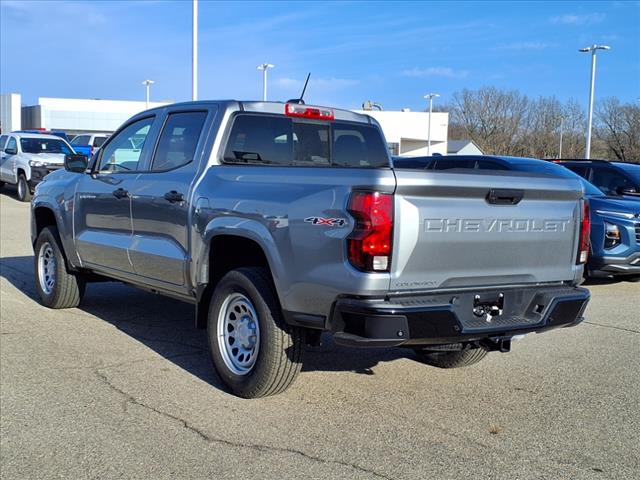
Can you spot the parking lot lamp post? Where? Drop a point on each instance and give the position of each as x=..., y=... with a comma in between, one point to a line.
x=560, y=147
x=147, y=84
x=430, y=97
x=194, y=52
x=591, y=49
x=264, y=67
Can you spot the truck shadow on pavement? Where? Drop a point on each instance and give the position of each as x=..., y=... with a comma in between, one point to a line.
x=167, y=326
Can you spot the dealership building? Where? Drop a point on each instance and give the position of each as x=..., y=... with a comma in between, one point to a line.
x=70, y=115
x=406, y=132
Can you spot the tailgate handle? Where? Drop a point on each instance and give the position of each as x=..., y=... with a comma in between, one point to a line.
x=504, y=196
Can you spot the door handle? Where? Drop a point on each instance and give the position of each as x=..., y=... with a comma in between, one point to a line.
x=504, y=196
x=173, y=196
x=120, y=193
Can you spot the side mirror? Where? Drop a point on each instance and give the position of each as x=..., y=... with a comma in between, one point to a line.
x=11, y=151
x=76, y=163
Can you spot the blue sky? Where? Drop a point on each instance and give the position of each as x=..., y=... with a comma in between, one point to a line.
x=389, y=52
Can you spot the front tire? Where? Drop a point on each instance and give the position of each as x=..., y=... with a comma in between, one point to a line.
x=24, y=192
x=57, y=287
x=456, y=359
x=254, y=352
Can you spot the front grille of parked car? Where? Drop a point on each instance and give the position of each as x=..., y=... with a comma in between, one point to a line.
x=638, y=233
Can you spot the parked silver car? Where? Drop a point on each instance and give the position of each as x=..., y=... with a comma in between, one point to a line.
x=26, y=158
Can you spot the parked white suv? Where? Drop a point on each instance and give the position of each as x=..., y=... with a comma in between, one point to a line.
x=26, y=158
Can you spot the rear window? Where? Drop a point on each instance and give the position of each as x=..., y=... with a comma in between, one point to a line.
x=275, y=140
x=419, y=163
x=81, y=140
x=447, y=164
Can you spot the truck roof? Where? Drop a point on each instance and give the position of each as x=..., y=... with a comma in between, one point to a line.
x=277, y=108
x=36, y=135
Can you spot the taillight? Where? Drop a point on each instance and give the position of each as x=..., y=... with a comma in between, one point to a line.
x=303, y=111
x=585, y=232
x=369, y=245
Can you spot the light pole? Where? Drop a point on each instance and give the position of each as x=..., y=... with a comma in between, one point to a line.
x=264, y=67
x=194, y=51
x=591, y=49
x=147, y=84
x=560, y=148
x=430, y=97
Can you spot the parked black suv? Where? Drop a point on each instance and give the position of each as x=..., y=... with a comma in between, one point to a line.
x=612, y=178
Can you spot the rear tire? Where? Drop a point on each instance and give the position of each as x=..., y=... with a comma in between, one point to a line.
x=57, y=287
x=24, y=193
x=457, y=359
x=254, y=352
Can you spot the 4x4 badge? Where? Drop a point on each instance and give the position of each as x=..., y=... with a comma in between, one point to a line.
x=331, y=222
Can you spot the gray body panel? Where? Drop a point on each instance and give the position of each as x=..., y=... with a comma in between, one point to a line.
x=150, y=242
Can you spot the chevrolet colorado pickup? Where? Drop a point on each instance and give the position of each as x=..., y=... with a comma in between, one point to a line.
x=280, y=221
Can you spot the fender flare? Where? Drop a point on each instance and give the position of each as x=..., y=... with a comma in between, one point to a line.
x=49, y=203
x=246, y=228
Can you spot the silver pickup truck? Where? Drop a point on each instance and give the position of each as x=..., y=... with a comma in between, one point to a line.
x=280, y=221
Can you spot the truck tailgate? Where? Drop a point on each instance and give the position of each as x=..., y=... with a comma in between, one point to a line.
x=455, y=229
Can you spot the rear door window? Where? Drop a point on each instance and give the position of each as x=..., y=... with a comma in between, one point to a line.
x=178, y=140
x=609, y=181
x=275, y=140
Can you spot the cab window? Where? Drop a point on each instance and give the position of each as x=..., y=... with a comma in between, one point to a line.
x=12, y=145
x=122, y=153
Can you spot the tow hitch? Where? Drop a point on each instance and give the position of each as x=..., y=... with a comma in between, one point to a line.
x=488, y=307
x=496, y=344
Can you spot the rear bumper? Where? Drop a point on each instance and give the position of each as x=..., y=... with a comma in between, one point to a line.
x=443, y=319
x=615, y=265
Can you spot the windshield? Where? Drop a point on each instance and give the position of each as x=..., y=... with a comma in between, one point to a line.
x=43, y=145
x=633, y=170
x=550, y=168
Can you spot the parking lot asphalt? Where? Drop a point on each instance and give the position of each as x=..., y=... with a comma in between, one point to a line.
x=122, y=387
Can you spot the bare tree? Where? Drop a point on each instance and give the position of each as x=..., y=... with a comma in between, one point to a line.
x=618, y=128
x=491, y=118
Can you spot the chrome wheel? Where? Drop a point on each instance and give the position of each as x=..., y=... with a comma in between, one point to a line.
x=47, y=268
x=238, y=333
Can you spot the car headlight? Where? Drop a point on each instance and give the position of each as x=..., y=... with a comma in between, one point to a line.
x=36, y=163
x=611, y=235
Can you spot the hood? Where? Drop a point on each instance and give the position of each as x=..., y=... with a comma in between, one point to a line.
x=57, y=158
x=615, y=205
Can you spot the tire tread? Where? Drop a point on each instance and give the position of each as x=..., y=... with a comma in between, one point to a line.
x=458, y=359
